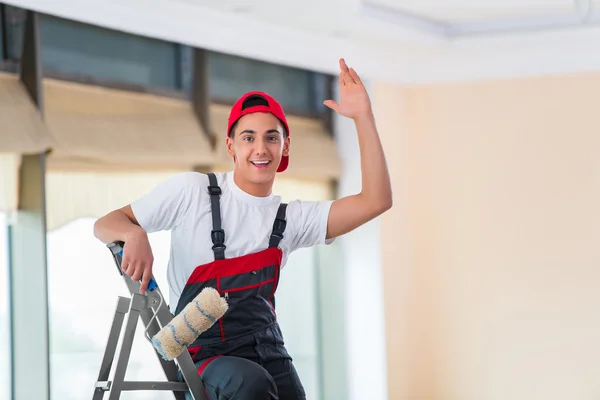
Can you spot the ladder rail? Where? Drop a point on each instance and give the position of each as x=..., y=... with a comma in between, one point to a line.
x=154, y=313
x=111, y=346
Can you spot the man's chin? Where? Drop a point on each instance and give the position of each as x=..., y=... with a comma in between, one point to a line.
x=263, y=177
x=259, y=176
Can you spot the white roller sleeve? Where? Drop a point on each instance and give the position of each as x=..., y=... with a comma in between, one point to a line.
x=197, y=317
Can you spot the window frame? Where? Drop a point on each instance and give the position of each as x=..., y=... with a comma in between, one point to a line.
x=183, y=91
x=314, y=81
x=6, y=64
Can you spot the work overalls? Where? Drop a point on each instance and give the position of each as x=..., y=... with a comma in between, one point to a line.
x=242, y=356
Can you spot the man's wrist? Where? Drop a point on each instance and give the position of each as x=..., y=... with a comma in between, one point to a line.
x=364, y=117
x=364, y=121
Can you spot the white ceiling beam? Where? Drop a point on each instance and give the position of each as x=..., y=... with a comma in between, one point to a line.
x=400, y=58
x=451, y=30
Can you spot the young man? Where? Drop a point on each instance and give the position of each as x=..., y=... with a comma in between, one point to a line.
x=231, y=233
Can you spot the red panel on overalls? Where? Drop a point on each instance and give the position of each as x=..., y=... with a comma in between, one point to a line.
x=248, y=283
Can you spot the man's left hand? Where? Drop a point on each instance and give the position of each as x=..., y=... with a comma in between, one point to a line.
x=354, y=99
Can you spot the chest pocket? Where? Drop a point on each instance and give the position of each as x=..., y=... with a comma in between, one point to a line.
x=257, y=283
x=250, y=296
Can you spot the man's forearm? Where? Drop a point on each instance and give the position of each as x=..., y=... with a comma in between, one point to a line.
x=376, y=185
x=115, y=226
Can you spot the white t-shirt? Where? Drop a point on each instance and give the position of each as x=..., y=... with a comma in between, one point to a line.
x=181, y=204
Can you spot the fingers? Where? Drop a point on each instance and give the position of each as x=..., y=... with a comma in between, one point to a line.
x=127, y=267
x=347, y=75
x=137, y=261
x=146, y=279
x=345, y=78
x=355, y=76
x=332, y=104
x=343, y=65
x=134, y=270
x=138, y=270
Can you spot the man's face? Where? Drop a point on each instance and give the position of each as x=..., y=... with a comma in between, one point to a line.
x=258, y=143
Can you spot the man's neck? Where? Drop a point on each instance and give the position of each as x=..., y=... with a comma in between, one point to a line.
x=253, y=189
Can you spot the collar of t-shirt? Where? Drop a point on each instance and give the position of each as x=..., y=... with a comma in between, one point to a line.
x=248, y=198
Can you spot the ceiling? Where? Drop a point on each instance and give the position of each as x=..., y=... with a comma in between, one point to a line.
x=456, y=11
x=407, y=41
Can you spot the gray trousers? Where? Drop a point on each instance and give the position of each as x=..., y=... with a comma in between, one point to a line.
x=233, y=378
x=256, y=366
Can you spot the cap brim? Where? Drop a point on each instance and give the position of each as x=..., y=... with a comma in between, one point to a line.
x=283, y=164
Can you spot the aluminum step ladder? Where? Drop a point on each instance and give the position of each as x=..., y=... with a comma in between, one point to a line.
x=155, y=314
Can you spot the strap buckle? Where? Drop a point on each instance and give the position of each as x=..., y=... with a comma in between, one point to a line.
x=214, y=190
x=219, y=247
x=218, y=238
x=279, y=227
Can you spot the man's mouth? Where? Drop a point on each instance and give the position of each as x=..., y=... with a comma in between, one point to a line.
x=261, y=164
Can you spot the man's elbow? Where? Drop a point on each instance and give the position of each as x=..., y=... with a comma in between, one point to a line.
x=104, y=225
x=98, y=228
x=374, y=209
x=385, y=205
x=377, y=205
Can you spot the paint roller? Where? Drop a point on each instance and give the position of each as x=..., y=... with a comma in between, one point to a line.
x=197, y=317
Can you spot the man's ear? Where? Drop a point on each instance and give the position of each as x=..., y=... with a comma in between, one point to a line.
x=229, y=144
x=286, y=147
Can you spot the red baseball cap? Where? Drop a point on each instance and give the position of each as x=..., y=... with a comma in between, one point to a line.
x=253, y=102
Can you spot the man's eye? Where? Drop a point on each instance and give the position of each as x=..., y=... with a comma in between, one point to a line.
x=247, y=138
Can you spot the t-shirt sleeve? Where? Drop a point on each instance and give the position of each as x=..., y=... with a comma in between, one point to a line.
x=163, y=207
x=308, y=220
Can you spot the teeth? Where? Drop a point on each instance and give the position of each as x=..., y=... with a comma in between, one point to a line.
x=260, y=162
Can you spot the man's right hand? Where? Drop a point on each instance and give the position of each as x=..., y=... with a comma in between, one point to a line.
x=138, y=258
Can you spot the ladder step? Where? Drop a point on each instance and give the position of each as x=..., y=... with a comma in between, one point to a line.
x=141, y=385
x=103, y=386
x=144, y=385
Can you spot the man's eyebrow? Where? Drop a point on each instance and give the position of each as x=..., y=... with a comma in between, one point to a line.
x=254, y=132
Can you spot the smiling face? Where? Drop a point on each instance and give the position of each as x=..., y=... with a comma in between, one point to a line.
x=257, y=142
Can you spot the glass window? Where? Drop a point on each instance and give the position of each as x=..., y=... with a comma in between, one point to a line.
x=2, y=25
x=14, y=28
x=297, y=313
x=5, y=345
x=83, y=286
x=295, y=89
x=80, y=51
x=186, y=68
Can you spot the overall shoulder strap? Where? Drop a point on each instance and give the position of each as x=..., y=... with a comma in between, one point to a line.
x=278, y=226
x=217, y=234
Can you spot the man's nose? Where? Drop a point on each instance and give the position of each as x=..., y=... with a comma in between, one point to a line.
x=260, y=147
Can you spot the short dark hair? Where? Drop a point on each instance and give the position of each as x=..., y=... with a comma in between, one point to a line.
x=253, y=101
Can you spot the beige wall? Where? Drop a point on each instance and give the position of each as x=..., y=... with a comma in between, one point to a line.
x=491, y=254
